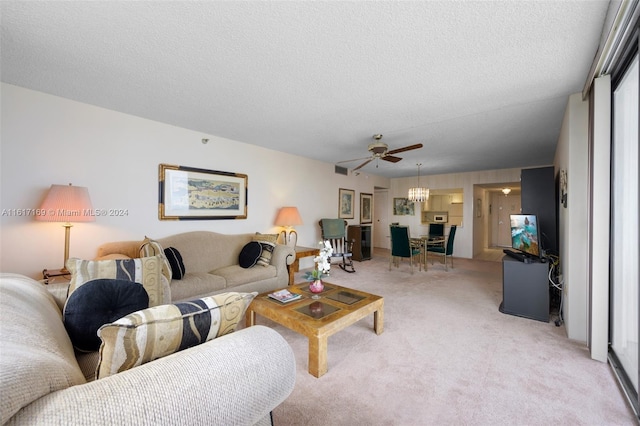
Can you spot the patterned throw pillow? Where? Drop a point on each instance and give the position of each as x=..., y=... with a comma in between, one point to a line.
x=150, y=248
x=146, y=271
x=175, y=260
x=152, y=333
x=268, y=242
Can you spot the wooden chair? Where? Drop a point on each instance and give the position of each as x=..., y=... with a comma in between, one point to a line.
x=335, y=231
x=401, y=247
x=446, y=251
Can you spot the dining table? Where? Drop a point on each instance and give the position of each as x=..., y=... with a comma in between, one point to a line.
x=423, y=242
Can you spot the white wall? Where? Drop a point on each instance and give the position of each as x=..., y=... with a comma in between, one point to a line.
x=51, y=140
x=572, y=155
x=601, y=220
x=463, y=243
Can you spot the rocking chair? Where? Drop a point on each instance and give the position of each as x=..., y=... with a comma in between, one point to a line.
x=334, y=231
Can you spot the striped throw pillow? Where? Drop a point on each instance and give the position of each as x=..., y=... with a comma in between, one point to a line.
x=268, y=243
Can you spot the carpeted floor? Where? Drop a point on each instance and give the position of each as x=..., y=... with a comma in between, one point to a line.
x=448, y=356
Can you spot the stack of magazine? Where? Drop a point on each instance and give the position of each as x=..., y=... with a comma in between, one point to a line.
x=284, y=296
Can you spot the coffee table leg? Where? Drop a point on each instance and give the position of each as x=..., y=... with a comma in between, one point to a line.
x=318, y=355
x=249, y=318
x=378, y=321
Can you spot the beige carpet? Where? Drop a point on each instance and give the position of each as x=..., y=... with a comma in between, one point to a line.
x=448, y=356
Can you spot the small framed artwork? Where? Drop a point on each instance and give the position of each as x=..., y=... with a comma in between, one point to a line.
x=189, y=193
x=403, y=207
x=366, y=207
x=345, y=203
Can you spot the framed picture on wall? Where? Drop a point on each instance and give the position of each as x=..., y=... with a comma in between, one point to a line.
x=366, y=207
x=345, y=203
x=403, y=207
x=188, y=193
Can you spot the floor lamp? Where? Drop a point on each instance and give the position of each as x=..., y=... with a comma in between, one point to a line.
x=66, y=203
x=289, y=217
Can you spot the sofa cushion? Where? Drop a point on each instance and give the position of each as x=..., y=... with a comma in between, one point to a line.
x=100, y=302
x=197, y=284
x=175, y=261
x=155, y=332
x=204, y=251
x=150, y=248
x=146, y=271
x=37, y=357
x=250, y=254
x=235, y=275
x=268, y=242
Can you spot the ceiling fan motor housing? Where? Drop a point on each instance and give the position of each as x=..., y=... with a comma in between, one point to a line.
x=378, y=148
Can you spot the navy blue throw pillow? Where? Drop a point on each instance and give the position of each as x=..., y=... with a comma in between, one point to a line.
x=100, y=302
x=175, y=261
x=250, y=254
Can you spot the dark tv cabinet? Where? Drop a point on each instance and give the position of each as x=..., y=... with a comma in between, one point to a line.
x=361, y=234
x=525, y=289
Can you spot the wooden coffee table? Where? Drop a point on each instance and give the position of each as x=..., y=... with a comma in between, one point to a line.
x=337, y=308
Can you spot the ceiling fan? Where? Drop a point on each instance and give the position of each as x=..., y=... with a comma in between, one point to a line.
x=380, y=150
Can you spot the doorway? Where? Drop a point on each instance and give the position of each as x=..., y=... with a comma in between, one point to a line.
x=381, y=218
x=494, y=203
x=501, y=207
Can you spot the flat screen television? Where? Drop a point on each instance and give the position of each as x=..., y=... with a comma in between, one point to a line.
x=525, y=235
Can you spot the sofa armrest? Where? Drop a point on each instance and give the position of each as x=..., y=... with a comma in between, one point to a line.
x=283, y=256
x=234, y=379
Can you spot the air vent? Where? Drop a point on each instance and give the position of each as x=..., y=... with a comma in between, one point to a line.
x=342, y=171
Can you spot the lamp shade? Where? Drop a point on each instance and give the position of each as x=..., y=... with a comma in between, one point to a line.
x=67, y=203
x=288, y=216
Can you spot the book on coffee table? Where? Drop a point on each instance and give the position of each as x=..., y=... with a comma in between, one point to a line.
x=284, y=296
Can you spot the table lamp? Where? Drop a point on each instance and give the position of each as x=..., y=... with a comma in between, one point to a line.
x=288, y=217
x=66, y=203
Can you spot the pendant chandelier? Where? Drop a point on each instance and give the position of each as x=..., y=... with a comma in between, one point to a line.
x=418, y=194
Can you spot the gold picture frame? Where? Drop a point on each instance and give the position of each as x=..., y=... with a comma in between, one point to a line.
x=190, y=193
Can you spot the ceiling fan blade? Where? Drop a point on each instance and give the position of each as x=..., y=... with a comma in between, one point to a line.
x=363, y=164
x=406, y=148
x=391, y=158
x=354, y=159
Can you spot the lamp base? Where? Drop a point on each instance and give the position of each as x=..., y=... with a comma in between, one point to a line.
x=289, y=238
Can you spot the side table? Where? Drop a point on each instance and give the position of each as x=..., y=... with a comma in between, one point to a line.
x=49, y=276
x=57, y=283
x=300, y=253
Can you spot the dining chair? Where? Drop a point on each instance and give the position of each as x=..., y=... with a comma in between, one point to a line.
x=446, y=251
x=401, y=247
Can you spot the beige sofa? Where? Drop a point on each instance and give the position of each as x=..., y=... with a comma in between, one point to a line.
x=236, y=379
x=211, y=263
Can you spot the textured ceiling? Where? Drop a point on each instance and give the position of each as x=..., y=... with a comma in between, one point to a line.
x=483, y=85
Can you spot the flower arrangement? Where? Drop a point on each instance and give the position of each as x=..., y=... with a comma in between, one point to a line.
x=322, y=260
